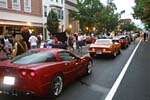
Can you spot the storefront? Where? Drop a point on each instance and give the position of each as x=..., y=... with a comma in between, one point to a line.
x=8, y=26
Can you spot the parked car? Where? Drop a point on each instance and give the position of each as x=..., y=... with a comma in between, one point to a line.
x=42, y=71
x=90, y=39
x=104, y=46
x=124, y=41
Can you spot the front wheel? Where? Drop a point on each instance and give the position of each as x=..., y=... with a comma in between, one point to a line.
x=89, y=67
x=56, y=85
x=114, y=54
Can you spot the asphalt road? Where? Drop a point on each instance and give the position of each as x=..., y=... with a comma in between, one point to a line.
x=95, y=86
x=136, y=82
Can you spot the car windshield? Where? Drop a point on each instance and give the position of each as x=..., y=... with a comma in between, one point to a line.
x=103, y=41
x=34, y=57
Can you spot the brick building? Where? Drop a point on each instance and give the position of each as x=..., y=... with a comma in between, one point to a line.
x=20, y=14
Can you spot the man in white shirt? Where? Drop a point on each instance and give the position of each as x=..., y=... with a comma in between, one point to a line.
x=80, y=42
x=33, y=41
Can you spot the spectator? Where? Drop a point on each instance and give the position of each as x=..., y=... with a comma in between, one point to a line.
x=3, y=50
x=79, y=42
x=56, y=42
x=70, y=42
x=39, y=37
x=33, y=41
x=8, y=44
x=145, y=36
x=20, y=46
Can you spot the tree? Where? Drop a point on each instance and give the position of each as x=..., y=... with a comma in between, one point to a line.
x=52, y=22
x=86, y=14
x=109, y=19
x=92, y=13
x=128, y=27
x=142, y=11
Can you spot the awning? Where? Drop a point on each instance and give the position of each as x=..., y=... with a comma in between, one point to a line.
x=20, y=23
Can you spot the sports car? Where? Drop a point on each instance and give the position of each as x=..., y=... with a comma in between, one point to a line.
x=42, y=71
x=90, y=39
x=104, y=46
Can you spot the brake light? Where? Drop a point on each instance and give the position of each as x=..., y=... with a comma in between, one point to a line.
x=28, y=73
x=23, y=73
x=32, y=74
x=104, y=49
x=93, y=49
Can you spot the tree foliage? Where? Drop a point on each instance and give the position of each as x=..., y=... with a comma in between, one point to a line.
x=128, y=27
x=92, y=13
x=52, y=22
x=142, y=10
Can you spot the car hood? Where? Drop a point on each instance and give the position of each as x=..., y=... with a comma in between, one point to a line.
x=26, y=66
x=100, y=45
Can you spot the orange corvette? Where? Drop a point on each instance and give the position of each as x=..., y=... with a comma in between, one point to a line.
x=104, y=46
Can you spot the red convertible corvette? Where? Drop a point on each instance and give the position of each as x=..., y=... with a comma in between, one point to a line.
x=42, y=71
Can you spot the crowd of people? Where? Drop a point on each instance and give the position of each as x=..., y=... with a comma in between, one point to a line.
x=72, y=42
x=16, y=44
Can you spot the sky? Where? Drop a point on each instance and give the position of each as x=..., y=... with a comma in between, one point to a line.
x=127, y=6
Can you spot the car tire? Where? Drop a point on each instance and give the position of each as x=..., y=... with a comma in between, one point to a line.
x=119, y=52
x=56, y=86
x=114, y=54
x=91, y=55
x=89, y=67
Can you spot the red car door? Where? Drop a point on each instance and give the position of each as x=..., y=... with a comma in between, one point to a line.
x=72, y=65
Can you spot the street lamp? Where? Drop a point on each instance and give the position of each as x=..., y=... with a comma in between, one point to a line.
x=29, y=23
x=87, y=28
x=70, y=26
x=94, y=28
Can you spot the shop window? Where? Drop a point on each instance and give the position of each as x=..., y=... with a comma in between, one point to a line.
x=1, y=30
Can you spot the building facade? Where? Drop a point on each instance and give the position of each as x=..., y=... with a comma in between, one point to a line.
x=16, y=15
x=58, y=7
x=70, y=23
x=19, y=14
x=62, y=9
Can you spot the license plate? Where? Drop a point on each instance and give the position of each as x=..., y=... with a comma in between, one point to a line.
x=9, y=80
x=99, y=52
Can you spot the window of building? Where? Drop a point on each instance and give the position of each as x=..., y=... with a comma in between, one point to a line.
x=27, y=5
x=62, y=1
x=60, y=14
x=45, y=11
x=16, y=4
x=3, y=3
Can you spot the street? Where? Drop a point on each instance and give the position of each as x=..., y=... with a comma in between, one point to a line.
x=135, y=85
x=97, y=85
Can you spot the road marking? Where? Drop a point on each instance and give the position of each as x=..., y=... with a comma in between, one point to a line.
x=120, y=77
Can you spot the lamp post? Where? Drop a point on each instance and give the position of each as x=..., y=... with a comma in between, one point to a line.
x=87, y=29
x=70, y=27
x=94, y=29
